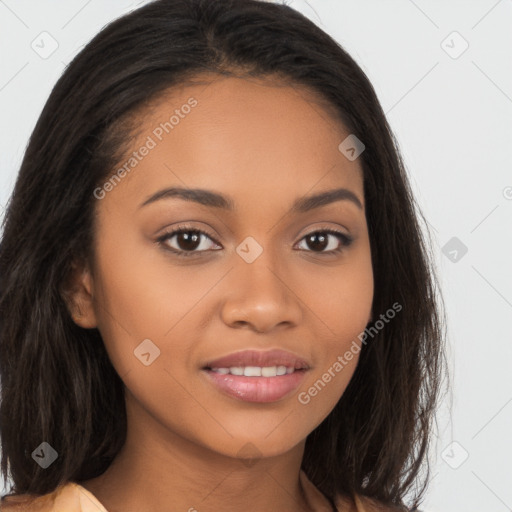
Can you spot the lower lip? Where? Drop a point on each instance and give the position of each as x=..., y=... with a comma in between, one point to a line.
x=256, y=389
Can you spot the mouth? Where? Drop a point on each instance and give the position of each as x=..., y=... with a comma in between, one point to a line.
x=255, y=371
x=255, y=376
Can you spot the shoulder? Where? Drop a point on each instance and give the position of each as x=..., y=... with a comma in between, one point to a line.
x=345, y=503
x=70, y=497
x=366, y=504
x=28, y=503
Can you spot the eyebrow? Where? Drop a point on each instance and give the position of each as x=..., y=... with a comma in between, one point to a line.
x=216, y=200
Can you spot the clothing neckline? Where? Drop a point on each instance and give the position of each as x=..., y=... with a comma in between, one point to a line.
x=76, y=498
x=315, y=499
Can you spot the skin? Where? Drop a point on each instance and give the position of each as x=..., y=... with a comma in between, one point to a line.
x=265, y=145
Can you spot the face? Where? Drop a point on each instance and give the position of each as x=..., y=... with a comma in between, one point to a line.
x=251, y=268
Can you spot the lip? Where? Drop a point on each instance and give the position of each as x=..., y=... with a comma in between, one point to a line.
x=259, y=358
x=257, y=389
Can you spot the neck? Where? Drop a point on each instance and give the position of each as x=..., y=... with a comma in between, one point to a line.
x=160, y=470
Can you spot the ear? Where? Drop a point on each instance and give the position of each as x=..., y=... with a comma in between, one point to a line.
x=78, y=293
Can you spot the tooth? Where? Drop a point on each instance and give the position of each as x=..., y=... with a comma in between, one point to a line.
x=281, y=370
x=269, y=371
x=252, y=371
x=255, y=371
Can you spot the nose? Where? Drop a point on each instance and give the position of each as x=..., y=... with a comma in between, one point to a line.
x=261, y=296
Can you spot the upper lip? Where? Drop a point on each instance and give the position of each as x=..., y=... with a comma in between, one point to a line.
x=259, y=358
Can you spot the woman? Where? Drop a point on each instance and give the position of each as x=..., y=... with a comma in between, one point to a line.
x=215, y=290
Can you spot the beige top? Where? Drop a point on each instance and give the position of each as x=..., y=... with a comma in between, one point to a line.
x=72, y=497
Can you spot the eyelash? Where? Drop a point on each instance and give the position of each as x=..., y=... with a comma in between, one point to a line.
x=345, y=240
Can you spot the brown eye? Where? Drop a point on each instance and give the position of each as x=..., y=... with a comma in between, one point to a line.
x=188, y=241
x=319, y=241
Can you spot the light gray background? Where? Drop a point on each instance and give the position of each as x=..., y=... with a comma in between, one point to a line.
x=453, y=120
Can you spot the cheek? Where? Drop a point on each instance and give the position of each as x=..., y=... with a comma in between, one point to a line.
x=319, y=395
x=341, y=297
x=133, y=299
x=342, y=301
x=332, y=373
x=143, y=295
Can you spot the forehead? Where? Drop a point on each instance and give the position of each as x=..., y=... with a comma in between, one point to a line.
x=246, y=137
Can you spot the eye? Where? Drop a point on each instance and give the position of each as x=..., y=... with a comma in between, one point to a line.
x=319, y=240
x=190, y=241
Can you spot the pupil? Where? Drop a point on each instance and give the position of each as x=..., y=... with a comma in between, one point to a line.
x=190, y=242
x=313, y=241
